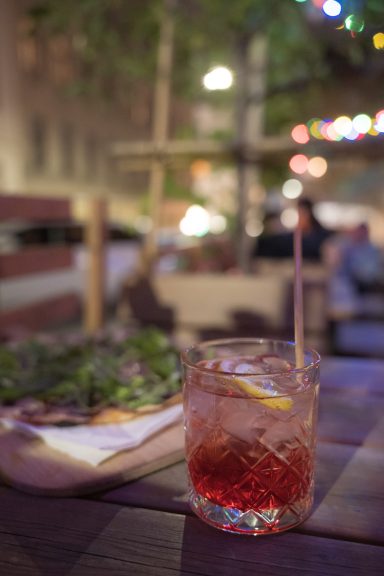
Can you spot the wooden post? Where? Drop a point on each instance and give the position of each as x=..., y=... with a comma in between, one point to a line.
x=252, y=56
x=13, y=149
x=95, y=243
x=160, y=126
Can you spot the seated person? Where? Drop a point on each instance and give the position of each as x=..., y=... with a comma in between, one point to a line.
x=280, y=245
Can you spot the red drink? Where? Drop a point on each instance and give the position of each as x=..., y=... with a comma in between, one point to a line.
x=246, y=478
x=249, y=444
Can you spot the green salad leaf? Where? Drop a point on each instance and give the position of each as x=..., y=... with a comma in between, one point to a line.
x=137, y=370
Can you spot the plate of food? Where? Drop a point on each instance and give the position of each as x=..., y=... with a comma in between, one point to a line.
x=81, y=414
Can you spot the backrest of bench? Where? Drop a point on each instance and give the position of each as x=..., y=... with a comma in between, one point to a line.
x=22, y=267
x=257, y=304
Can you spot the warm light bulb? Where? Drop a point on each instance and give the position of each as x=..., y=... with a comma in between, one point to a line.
x=298, y=163
x=195, y=221
x=300, y=134
x=378, y=41
x=362, y=123
x=219, y=78
x=354, y=23
x=289, y=217
x=379, y=125
x=292, y=188
x=332, y=8
x=343, y=125
x=317, y=166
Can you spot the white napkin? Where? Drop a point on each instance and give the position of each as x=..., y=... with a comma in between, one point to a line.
x=94, y=444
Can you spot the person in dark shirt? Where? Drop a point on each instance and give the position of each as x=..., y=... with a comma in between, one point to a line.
x=280, y=245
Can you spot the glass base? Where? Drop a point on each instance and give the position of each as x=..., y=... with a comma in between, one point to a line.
x=250, y=522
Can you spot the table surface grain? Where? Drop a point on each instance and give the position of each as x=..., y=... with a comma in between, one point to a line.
x=146, y=528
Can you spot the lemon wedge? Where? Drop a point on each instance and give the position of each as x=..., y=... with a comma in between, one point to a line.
x=279, y=402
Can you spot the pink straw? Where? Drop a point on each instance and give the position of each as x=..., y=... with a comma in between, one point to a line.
x=298, y=299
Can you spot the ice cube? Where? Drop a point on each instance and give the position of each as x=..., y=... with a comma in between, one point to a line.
x=227, y=365
x=281, y=433
x=248, y=368
x=241, y=418
x=201, y=403
x=276, y=364
x=285, y=384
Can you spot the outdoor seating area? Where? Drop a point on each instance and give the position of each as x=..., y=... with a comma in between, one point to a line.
x=144, y=526
x=191, y=288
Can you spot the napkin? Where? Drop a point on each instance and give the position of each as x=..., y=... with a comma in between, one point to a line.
x=95, y=444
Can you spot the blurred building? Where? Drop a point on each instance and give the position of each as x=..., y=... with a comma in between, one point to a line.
x=52, y=140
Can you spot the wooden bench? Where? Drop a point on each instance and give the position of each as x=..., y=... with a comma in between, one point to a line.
x=28, y=264
x=217, y=304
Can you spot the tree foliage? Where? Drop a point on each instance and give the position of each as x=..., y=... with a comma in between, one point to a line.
x=117, y=39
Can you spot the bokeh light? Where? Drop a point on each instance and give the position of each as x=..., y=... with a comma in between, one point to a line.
x=332, y=8
x=332, y=134
x=372, y=131
x=362, y=123
x=378, y=40
x=325, y=129
x=289, y=217
x=195, y=222
x=354, y=23
x=292, y=188
x=300, y=134
x=343, y=125
x=379, y=125
x=254, y=228
x=352, y=135
x=298, y=163
x=217, y=224
x=314, y=126
x=317, y=166
x=218, y=78
x=200, y=168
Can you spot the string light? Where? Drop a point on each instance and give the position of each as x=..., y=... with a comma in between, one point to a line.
x=300, y=134
x=362, y=123
x=340, y=128
x=332, y=8
x=379, y=125
x=378, y=41
x=352, y=21
x=343, y=125
x=292, y=188
x=317, y=166
x=298, y=163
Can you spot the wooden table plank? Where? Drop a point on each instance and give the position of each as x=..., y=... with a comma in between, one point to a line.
x=41, y=536
x=375, y=438
x=349, y=418
x=361, y=376
x=348, y=493
x=349, y=501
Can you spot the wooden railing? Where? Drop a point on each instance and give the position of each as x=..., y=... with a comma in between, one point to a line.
x=27, y=262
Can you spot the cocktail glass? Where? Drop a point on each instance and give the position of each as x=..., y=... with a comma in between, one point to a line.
x=250, y=428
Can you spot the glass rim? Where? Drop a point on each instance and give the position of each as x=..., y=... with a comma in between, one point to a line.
x=247, y=340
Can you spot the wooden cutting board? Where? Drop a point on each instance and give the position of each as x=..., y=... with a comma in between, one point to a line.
x=28, y=464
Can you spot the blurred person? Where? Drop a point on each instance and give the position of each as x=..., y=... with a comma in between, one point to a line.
x=280, y=245
x=356, y=272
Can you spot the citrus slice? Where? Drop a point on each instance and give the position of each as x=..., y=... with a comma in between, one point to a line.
x=263, y=396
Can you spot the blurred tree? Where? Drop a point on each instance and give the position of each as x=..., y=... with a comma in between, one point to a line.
x=116, y=42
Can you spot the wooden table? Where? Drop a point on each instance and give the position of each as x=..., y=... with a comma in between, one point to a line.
x=146, y=527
